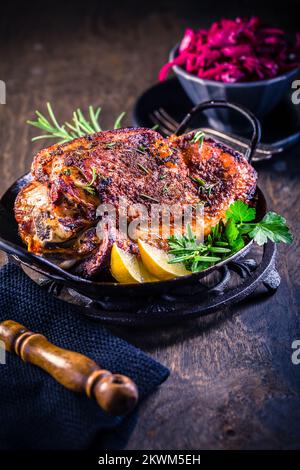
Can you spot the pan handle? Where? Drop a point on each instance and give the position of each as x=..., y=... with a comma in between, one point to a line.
x=115, y=393
x=252, y=119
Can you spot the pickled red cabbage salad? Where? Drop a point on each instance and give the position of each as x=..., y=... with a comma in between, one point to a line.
x=233, y=51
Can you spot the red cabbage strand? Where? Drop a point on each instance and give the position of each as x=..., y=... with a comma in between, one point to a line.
x=240, y=50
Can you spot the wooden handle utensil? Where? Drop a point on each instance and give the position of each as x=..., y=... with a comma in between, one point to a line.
x=115, y=393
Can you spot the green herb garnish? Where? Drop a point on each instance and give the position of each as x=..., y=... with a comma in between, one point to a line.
x=271, y=227
x=240, y=212
x=195, y=256
x=78, y=127
x=118, y=121
x=199, y=181
x=141, y=149
x=146, y=196
x=110, y=145
x=89, y=186
x=198, y=138
x=228, y=237
x=142, y=167
x=204, y=187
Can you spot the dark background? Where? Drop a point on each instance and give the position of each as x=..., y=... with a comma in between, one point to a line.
x=232, y=382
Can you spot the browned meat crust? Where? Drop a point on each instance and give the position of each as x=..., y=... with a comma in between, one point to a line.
x=56, y=212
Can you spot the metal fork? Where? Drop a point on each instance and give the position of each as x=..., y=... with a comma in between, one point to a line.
x=168, y=125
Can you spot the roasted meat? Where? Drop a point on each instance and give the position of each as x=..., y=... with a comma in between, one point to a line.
x=57, y=211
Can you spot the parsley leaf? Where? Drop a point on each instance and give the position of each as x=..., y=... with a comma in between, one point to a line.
x=272, y=226
x=231, y=231
x=237, y=244
x=240, y=212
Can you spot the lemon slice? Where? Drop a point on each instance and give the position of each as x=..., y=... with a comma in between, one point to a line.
x=127, y=268
x=157, y=263
x=146, y=275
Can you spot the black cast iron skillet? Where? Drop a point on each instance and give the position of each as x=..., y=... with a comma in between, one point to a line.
x=12, y=244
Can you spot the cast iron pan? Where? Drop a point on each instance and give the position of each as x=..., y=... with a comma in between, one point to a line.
x=11, y=243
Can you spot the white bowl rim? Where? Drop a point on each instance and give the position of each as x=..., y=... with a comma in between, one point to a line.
x=189, y=76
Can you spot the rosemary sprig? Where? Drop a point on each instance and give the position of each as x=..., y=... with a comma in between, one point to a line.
x=199, y=181
x=118, y=121
x=198, y=138
x=199, y=135
x=204, y=187
x=209, y=188
x=110, y=145
x=195, y=256
x=146, y=196
x=78, y=127
x=89, y=186
x=142, y=167
x=141, y=149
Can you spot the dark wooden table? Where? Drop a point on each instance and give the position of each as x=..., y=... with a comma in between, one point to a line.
x=232, y=384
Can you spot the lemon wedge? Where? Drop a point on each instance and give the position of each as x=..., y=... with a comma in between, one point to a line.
x=146, y=275
x=157, y=263
x=126, y=268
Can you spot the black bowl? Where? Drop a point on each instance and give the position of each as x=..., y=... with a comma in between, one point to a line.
x=11, y=243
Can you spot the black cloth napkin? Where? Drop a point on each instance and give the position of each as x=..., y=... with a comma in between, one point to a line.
x=38, y=413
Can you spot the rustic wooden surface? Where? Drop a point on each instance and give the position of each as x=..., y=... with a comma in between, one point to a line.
x=232, y=382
